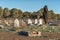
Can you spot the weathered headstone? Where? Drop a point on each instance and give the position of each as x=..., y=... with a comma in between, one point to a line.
x=22, y=24
x=39, y=33
x=36, y=22
x=40, y=21
x=45, y=14
x=29, y=22
x=16, y=23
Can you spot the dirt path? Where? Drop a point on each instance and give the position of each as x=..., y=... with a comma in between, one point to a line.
x=11, y=36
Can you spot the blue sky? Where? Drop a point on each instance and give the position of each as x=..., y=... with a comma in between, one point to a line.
x=31, y=5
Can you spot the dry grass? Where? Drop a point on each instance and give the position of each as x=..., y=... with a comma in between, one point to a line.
x=46, y=35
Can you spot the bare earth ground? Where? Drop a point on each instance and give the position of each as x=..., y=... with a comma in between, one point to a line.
x=5, y=35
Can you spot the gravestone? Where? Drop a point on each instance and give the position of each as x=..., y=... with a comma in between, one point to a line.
x=29, y=21
x=22, y=24
x=36, y=22
x=40, y=22
x=16, y=23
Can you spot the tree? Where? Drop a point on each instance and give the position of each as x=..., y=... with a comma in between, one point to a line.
x=20, y=13
x=40, y=13
x=45, y=14
x=27, y=14
x=1, y=12
x=52, y=14
x=6, y=12
x=34, y=15
x=14, y=12
x=58, y=16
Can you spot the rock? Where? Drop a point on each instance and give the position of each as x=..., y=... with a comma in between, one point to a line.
x=34, y=33
x=1, y=26
x=39, y=33
x=7, y=22
x=52, y=24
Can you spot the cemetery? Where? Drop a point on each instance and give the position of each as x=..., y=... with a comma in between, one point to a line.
x=31, y=27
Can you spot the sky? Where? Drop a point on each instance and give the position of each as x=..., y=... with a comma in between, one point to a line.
x=31, y=5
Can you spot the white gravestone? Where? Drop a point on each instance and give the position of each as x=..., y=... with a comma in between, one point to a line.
x=36, y=21
x=16, y=23
x=40, y=21
x=29, y=21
